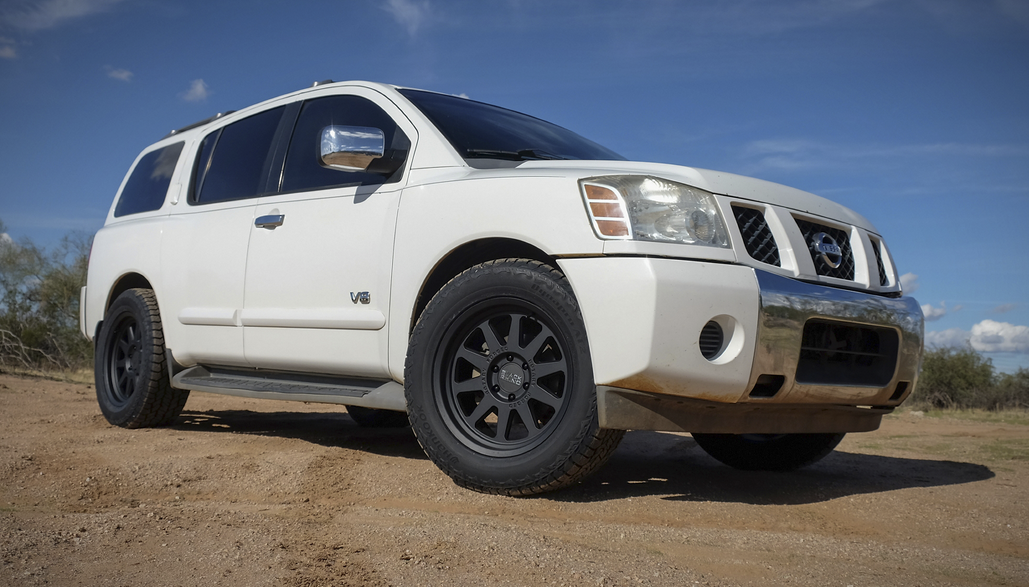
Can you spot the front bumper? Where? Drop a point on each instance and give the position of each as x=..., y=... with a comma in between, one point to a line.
x=798, y=357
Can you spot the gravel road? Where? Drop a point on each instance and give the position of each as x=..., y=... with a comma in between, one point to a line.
x=248, y=493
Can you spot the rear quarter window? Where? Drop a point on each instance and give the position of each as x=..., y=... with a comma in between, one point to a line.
x=147, y=186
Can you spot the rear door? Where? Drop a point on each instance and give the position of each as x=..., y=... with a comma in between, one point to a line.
x=205, y=242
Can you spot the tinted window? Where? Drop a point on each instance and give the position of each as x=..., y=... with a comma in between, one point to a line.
x=304, y=170
x=234, y=162
x=148, y=184
x=481, y=130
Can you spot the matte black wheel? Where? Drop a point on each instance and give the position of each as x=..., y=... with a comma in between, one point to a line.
x=499, y=382
x=768, y=452
x=132, y=385
x=372, y=418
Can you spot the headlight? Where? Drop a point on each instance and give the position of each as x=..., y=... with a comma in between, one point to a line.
x=653, y=209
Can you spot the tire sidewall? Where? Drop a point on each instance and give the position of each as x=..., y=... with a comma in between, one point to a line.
x=128, y=306
x=442, y=318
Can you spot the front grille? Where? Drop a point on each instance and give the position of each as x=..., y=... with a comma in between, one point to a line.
x=834, y=353
x=877, y=247
x=757, y=237
x=842, y=238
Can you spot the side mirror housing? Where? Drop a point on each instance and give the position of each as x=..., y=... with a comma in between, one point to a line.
x=351, y=148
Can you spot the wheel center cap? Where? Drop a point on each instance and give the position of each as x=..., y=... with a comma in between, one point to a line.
x=511, y=377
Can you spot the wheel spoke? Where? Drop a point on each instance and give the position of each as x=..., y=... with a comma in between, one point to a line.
x=481, y=410
x=503, y=421
x=533, y=348
x=528, y=419
x=467, y=386
x=544, y=369
x=477, y=360
x=514, y=336
x=492, y=342
x=544, y=397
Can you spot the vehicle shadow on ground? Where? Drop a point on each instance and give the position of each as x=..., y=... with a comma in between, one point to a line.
x=645, y=464
x=654, y=463
x=331, y=429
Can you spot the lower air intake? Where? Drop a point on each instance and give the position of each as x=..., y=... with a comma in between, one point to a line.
x=833, y=353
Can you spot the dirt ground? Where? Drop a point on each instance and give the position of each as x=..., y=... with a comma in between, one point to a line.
x=248, y=493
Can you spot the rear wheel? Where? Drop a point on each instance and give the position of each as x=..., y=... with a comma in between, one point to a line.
x=132, y=384
x=499, y=382
x=768, y=452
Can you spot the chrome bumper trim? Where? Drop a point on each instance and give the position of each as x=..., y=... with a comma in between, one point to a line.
x=787, y=305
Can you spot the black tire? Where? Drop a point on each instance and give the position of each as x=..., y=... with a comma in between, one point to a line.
x=132, y=384
x=372, y=418
x=499, y=382
x=768, y=452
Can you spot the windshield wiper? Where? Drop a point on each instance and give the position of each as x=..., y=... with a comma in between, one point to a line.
x=520, y=155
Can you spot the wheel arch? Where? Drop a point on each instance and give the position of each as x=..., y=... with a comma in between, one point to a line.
x=468, y=255
x=126, y=282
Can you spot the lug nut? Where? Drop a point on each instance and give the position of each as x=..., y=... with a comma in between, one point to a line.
x=510, y=397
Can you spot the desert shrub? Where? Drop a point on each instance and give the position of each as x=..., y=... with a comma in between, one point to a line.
x=963, y=378
x=39, y=304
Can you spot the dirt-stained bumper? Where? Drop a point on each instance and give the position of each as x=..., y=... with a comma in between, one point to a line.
x=799, y=357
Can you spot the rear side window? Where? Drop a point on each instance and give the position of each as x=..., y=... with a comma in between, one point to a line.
x=303, y=162
x=148, y=184
x=234, y=161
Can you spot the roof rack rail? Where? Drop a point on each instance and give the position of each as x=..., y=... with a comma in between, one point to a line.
x=196, y=124
x=322, y=83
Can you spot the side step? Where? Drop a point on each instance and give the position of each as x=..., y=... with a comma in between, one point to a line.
x=368, y=393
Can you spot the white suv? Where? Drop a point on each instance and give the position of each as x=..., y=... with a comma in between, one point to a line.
x=523, y=294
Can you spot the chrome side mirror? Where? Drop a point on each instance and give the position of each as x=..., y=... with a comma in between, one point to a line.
x=351, y=148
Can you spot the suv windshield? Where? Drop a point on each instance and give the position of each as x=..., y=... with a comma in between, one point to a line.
x=479, y=130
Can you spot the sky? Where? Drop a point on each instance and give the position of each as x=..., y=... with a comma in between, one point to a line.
x=915, y=113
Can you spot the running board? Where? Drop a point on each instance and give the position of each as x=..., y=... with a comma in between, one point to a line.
x=368, y=393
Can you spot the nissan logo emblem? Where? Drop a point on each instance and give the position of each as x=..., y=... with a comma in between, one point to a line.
x=826, y=247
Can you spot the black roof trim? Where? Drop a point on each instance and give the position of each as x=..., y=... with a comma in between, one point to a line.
x=196, y=124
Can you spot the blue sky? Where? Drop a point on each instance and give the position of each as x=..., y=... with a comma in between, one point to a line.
x=913, y=112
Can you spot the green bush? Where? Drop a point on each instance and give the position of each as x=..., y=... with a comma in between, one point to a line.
x=963, y=378
x=39, y=304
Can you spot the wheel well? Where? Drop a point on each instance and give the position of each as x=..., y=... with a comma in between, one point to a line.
x=127, y=282
x=468, y=255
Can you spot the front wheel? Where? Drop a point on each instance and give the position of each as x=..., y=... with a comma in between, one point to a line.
x=499, y=382
x=768, y=452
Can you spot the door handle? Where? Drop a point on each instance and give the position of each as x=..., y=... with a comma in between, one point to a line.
x=270, y=221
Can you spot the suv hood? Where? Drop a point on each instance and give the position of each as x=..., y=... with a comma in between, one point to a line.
x=717, y=182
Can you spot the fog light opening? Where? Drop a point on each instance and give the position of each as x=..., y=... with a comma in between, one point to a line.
x=712, y=340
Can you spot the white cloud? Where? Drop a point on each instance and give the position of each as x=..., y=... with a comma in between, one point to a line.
x=119, y=74
x=410, y=14
x=909, y=281
x=5, y=239
x=933, y=314
x=952, y=337
x=197, y=92
x=988, y=336
x=1004, y=308
x=8, y=52
x=37, y=15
